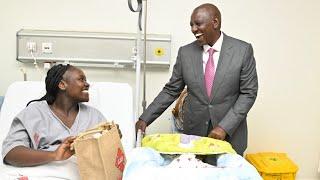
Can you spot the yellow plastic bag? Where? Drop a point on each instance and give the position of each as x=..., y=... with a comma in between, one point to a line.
x=182, y=143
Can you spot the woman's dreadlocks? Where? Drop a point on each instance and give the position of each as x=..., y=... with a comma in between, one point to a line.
x=54, y=76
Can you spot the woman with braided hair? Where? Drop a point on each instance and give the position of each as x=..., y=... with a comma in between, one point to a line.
x=44, y=130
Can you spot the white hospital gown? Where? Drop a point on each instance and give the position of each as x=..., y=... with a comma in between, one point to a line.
x=39, y=128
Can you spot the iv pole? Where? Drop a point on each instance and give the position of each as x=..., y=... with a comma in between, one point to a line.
x=138, y=56
x=144, y=102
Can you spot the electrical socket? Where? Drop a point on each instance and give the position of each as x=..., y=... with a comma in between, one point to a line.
x=47, y=48
x=32, y=46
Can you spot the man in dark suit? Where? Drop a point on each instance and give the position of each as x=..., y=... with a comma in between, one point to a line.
x=220, y=93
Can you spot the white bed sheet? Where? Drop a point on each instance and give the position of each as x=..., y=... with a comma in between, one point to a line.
x=114, y=100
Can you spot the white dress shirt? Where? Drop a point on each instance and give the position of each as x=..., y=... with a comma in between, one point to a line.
x=216, y=54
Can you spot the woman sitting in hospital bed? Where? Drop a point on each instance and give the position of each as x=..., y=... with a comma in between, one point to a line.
x=45, y=129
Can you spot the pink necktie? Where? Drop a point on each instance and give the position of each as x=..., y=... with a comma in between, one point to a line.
x=209, y=72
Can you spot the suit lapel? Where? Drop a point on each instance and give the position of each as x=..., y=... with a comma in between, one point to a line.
x=198, y=64
x=223, y=65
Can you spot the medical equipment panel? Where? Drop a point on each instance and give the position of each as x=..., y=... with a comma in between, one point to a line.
x=114, y=49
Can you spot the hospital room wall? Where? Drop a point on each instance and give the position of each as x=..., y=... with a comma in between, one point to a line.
x=284, y=34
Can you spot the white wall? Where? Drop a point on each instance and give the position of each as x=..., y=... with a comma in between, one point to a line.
x=284, y=34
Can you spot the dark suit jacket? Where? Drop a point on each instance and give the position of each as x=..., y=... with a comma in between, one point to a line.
x=234, y=91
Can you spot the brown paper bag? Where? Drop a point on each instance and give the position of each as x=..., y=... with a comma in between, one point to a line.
x=100, y=154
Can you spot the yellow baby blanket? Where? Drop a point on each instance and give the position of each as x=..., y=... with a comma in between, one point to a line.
x=182, y=143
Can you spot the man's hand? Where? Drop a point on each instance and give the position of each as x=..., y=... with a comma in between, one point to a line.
x=64, y=152
x=218, y=133
x=140, y=124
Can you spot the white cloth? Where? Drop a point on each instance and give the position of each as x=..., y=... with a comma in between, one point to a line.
x=146, y=163
x=188, y=161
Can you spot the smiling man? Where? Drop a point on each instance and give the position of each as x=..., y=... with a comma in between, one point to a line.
x=220, y=73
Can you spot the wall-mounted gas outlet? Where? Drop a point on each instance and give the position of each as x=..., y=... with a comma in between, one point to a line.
x=47, y=48
x=32, y=46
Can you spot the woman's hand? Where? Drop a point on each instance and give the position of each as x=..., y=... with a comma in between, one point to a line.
x=64, y=152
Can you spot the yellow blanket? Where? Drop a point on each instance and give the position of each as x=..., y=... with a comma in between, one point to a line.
x=182, y=143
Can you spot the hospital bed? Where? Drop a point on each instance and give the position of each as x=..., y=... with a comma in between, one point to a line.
x=114, y=100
